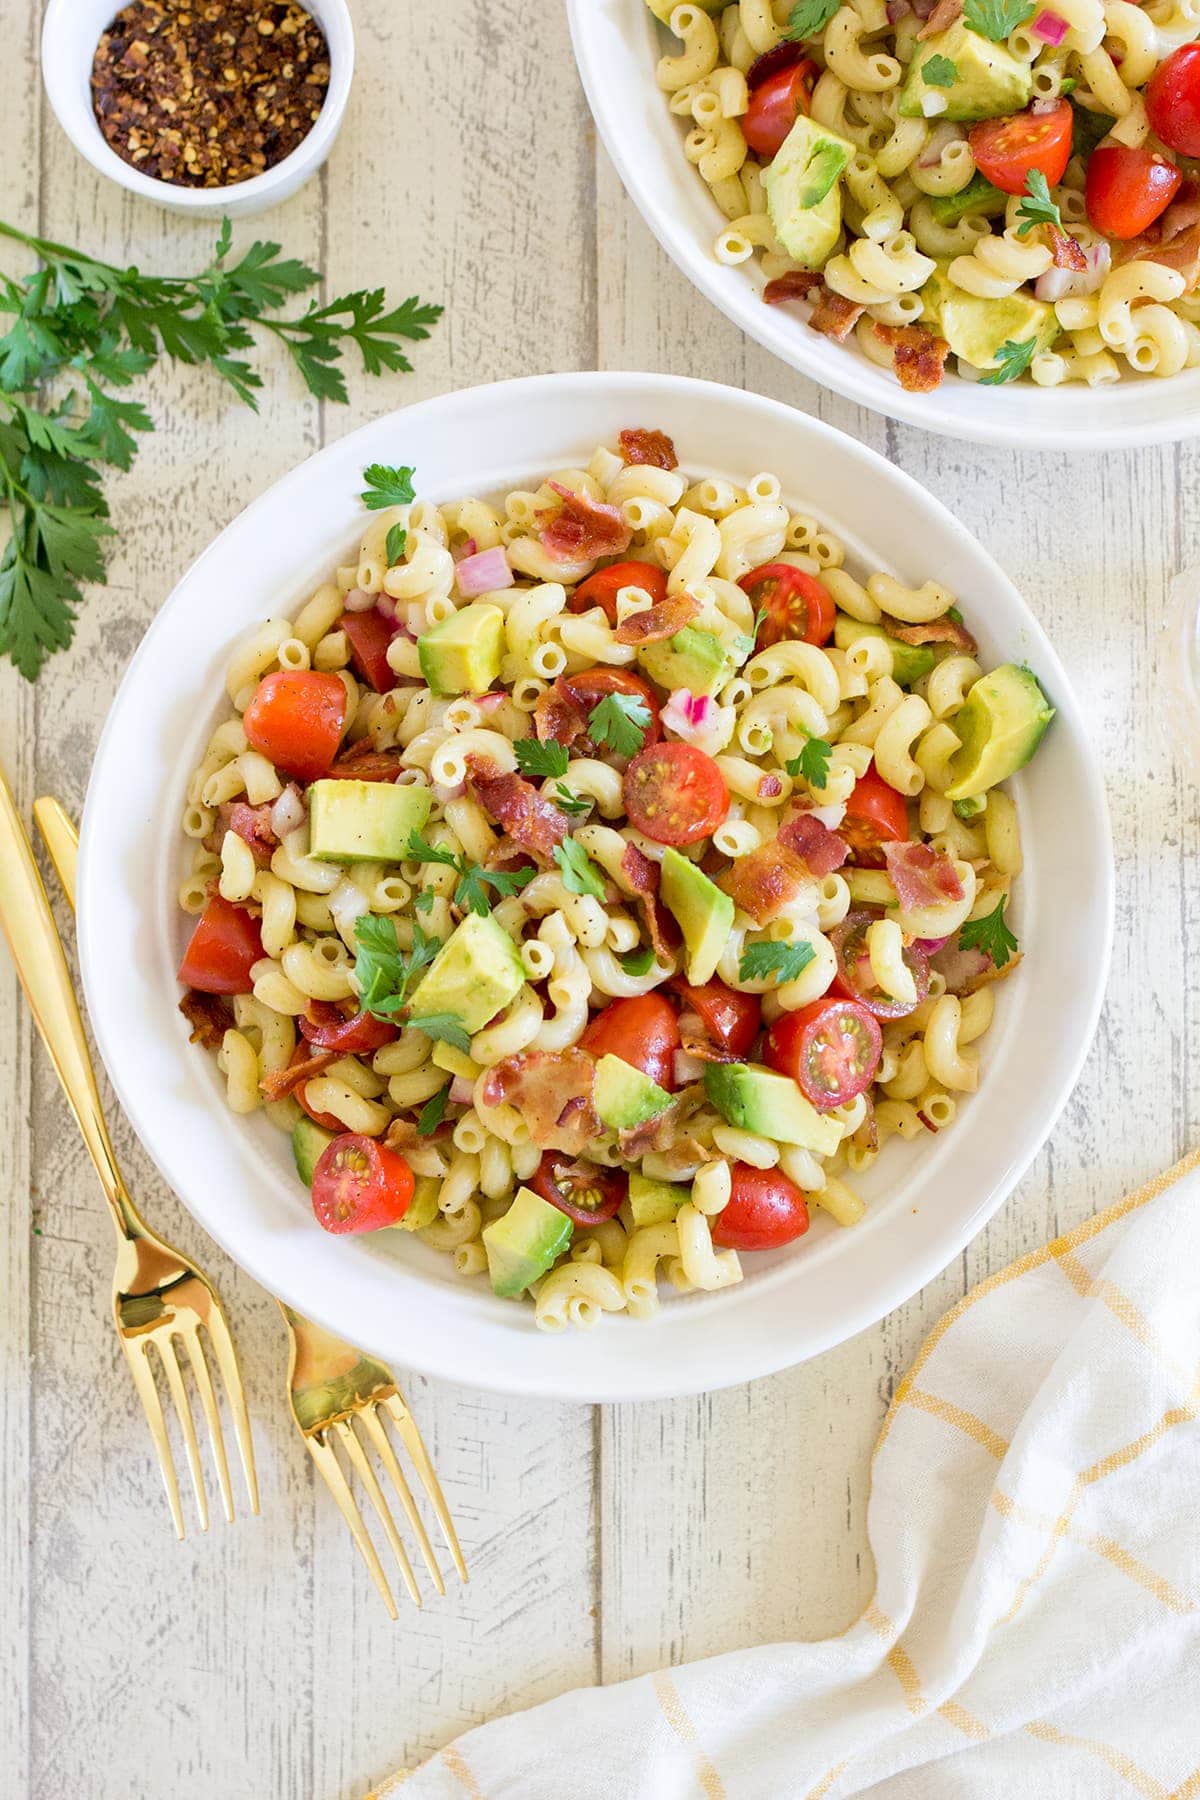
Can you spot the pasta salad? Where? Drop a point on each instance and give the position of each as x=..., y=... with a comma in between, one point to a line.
x=1013, y=183
x=592, y=881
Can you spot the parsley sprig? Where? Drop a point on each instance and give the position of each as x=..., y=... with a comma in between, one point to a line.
x=470, y=893
x=539, y=760
x=383, y=972
x=996, y=19
x=939, y=71
x=809, y=18
x=990, y=934
x=1012, y=359
x=759, y=962
x=621, y=722
x=433, y=1112
x=812, y=764
x=443, y=1028
x=580, y=874
x=1037, y=208
x=78, y=333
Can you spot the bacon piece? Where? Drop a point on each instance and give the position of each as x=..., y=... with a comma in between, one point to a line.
x=644, y=878
x=964, y=971
x=363, y=762
x=1067, y=253
x=402, y=1134
x=1174, y=239
x=834, y=316
x=251, y=823
x=934, y=631
x=552, y=1091
x=921, y=875
x=658, y=622
x=285, y=1081
x=769, y=787
x=704, y=1050
x=944, y=14
x=558, y=715
x=509, y=857
x=583, y=528
x=531, y=822
x=652, y=447
x=656, y=1134
x=821, y=849
x=918, y=355
x=209, y=1015
x=766, y=881
x=796, y=284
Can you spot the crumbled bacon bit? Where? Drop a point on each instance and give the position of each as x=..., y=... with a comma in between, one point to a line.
x=921, y=875
x=282, y=1082
x=795, y=284
x=535, y=824
x=918, y=355
x=764, y=882
x=944, y=14
x=769, y=787
x=964, y=971
x=209, y=1015
x=1174, y=239
x=652, y=1135
x=402, y=1134
x=644, y=877
x=558, y=715
x=834, y=316
x=582, y=528
x=552, y=1090
x=251, y=823
x=1067, y=253
x=657, y=622
x=820, y=849
x=654, y=448
x=934, y=631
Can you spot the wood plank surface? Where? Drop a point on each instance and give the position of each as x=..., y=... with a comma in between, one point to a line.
x=604, y=1542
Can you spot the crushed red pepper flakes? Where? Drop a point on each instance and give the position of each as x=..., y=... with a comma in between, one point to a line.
x=209, y=93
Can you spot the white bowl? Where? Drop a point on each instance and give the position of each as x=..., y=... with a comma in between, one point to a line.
x=70, y=35
x=394, y=1295
x=617, y=44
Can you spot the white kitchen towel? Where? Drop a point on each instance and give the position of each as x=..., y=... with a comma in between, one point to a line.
x=1035, y=1522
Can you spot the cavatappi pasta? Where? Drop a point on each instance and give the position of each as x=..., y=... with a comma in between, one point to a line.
x=590, y=880
x=1009, y=182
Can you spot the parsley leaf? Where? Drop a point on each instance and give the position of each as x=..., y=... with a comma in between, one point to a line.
x=809, y=18
x=383, y=973
x=1014, y=359
x=620, y=721
x=995, y=19
x=537, y=759
x=386, y=487
x=637, y=962
x=1037, y=208
x=784, y=961
x=569, y=802
x=443, y=1028
x=939, y=72
x=580, y=874
x=952, y=612
x=989, y=934
x=470, y=893
x=433, y=1112
x=397, y=538
x=419, y=849
x=424, y=900
x=812, y=763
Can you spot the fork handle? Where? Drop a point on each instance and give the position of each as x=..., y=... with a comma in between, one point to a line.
x=38, y=954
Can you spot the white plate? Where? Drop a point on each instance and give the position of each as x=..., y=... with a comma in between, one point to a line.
x=617, y=44
x=396, y=1296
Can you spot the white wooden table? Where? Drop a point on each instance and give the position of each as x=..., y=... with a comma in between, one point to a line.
x=602, y=1543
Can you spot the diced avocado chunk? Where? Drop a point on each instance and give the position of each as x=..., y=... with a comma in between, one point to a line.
x=462, y=654
x=477, y=971
x=692, y=659
x=909, y=661
x=423, y=1207
x=756, y=1099
x=704, y=913
x=524, y=1243
x=975, y=328
x=662, y=9
x=655, y=1202
x=309, y=1142
x=978, y=199
x=1000, y=725
x=454, y=1061
x=623, y=1097
x=364, y=821
x=803, y=195
x=989, y=80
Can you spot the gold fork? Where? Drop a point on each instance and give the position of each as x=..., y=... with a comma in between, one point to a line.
x=329, y=1382
x=160, y=1298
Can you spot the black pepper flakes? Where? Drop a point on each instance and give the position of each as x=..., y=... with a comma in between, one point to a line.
x=209, y=93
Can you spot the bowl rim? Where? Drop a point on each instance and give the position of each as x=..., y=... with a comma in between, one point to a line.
x=111, y=818
x=66, y=25
x=1070, y=417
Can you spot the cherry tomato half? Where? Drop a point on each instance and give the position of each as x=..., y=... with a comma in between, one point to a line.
x=774, y=107
x=765, y=1210
x=601, y=588
x=222, y=950
x=295, y=720
x=797, y=604
x=359, y=1185
x=326, y=1027
x=586, y=1193
x=1127, y=189
x=590, y=686
x=370, y=634
x=875, y=815
x=674, y=793
x=1173, y=100
x=830, y=1048
x=855, y=979
x=731, y=1019
x=643, y=1031
x=1009, y=150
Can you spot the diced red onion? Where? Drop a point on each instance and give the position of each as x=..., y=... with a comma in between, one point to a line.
x=468, y=549
x=487, y=701
x=686, y=1068
x=930, y=946
x=1051, y=27
x=462, y=1091
x=691, y=1025
x=923, y=8
x=358, y=601
x=941, y=135
x=1061, y=284
x=897, y=10
x=288, y=813
x=443, y=793
x=483, y=573
x=385, y=606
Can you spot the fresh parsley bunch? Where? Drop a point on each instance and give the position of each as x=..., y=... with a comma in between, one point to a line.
x=79, y=333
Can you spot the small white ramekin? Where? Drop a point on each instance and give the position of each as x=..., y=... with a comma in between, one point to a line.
x=69, y=37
